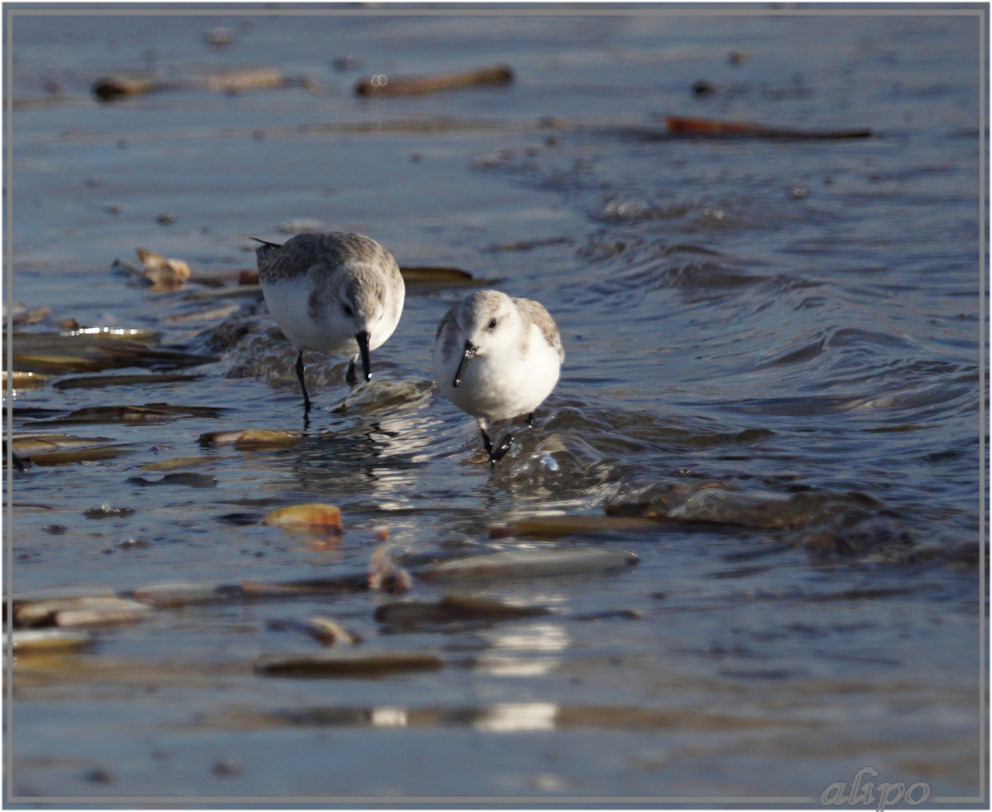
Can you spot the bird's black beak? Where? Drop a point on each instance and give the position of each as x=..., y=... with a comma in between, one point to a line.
x=467, y=355
x=363, y=348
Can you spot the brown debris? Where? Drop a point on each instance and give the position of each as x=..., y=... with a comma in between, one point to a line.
x=82, y=611
x=324, y=630
x=684, y=125
x=568, y=525
x=431, y=277
x=22, y=380
x=249, y=439
x=314, y=516
x=383, y=85
x=97, y=381
x=162, y=273
x=346, y=663
x=56, y=449
x=228, y=80
x=95, y=350
x=385, y=574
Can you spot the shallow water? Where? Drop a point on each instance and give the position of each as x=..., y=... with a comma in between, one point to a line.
x=772, y=348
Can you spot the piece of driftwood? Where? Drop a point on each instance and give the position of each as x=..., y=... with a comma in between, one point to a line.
x=684, y=125
x=234, y=80
x=383, y=85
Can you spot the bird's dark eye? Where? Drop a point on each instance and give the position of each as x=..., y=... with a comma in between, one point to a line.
x=348, y=311
x=492, y=324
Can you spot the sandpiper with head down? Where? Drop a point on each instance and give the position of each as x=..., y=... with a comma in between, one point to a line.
x=336, y=292
x=497, y=357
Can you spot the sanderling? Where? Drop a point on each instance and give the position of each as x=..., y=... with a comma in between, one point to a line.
x=497, y=357
x=333, y=292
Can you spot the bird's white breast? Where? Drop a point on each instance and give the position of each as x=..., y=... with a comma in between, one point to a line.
x=498, y=386
x=289, y=300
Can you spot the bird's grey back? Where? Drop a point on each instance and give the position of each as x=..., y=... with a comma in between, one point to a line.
x=332, y=249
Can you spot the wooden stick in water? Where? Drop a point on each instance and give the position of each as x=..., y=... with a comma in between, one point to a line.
x=682, y=125
x=228, y=81
x=383, y=85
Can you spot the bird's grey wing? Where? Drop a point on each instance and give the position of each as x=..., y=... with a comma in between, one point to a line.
x=536, y=313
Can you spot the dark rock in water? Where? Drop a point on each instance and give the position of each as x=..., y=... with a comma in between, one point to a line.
x=453, y=608
x=862, y=538
x=107, y=512
x=226, y=767
x=240, y=519
x=190, y=480
x=703, y=87
x=95, y=350
x=822, y=522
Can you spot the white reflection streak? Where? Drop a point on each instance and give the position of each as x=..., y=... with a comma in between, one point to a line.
x=388, y=717
x=403, y=435
x=508, y=718
x=543, y=638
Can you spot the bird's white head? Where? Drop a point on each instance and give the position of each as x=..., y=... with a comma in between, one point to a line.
x=488, y=324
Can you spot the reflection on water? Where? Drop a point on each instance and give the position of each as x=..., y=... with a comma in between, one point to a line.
x=512, y=718
x=525, y=652
x=388, y=717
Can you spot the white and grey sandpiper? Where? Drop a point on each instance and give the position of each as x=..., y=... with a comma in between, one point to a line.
x=335, y=292
x=497, y=357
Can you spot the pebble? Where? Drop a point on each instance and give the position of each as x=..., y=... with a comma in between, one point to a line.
x=100, y=617
x=45, y=640
x=529, y=563
x=314, y=515
x=79, y=611
x=177, y=462
x=323, y=629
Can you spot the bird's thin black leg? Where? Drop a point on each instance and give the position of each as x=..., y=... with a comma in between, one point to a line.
x=500, y=450
x=530, y=420
x=495, y=452
x=488, y=443
x=351, y=377
x=303, y=383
